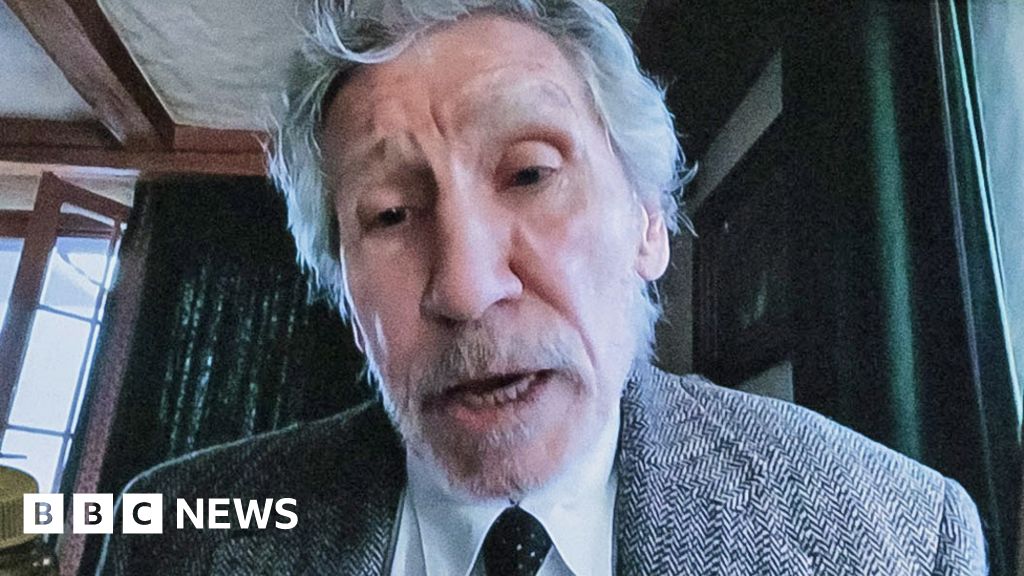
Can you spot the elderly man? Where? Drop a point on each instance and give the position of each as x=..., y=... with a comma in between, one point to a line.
x=486, y=187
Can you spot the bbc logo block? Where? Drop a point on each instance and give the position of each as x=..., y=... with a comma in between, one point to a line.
x=144, y=514
x=43, y=514
x=92, y=514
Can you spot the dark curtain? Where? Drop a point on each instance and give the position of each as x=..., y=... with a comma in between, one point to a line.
x=897, y=320
x=228, y=343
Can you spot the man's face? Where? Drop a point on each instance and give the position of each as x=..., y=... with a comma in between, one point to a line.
x=495, y=253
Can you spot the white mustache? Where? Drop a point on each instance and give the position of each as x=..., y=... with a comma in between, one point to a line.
x=484, y=351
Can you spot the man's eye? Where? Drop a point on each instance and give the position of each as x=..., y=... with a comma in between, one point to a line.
x=530, y=176
x=391, y=217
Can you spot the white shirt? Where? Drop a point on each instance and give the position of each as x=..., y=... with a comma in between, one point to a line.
x=441, y=533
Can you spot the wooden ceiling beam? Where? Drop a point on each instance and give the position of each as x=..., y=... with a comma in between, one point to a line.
x=146, y=162
x=197, y=139
x=32, y=132
x=35, y=133
x=89, y=144
x=81, y=42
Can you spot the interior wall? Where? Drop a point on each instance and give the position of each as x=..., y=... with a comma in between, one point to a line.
x=627, y=11
x=775, y=382
x=19, y=184
x=675, y=332
x=758, y=110
x=18, y=191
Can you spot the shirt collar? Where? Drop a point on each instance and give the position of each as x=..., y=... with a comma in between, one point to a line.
x=576, y=509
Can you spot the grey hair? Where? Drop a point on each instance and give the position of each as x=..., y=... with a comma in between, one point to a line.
x=345, y=34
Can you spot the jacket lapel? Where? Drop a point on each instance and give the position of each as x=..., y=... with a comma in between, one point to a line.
x=686, y=484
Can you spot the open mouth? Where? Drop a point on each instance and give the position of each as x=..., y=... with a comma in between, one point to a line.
x=496, y=391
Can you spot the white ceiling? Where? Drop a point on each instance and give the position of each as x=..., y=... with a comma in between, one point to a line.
x=32, y=86
x=213, y=63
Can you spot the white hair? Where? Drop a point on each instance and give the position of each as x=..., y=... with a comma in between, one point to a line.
x=345, y=34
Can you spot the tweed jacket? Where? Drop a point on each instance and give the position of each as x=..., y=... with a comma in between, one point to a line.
x=711, y=482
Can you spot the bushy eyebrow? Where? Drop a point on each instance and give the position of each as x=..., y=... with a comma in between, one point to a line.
x=401, y=149
x=535, y=108
x=390, y=148
x=383, y=157
x=509, y=109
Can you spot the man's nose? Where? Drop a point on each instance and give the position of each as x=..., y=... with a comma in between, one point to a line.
x=471, y=269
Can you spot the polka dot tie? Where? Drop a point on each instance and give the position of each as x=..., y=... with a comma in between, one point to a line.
x=515, y=545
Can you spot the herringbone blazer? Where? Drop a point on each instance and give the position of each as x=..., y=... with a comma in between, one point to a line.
x=711, y=482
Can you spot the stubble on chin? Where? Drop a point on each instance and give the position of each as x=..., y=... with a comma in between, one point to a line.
x=520, y=455
x=498, y=464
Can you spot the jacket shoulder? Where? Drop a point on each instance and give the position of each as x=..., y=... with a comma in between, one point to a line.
x=297, y=458
x=852, y=496
x=340, y=472
x=804, y=441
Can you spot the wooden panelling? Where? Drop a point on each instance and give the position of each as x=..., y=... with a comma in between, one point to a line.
x=150, y=162
x=14, y=223
x=197, y=139
x=30, y=132
x=742, y=286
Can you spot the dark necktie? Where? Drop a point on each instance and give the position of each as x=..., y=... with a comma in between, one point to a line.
x=515, y=545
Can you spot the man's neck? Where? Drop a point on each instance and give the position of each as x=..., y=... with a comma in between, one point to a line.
x=575, y=507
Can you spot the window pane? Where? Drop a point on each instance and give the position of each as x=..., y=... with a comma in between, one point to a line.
x=10, y=255
x=89, y=358
x=43, y=453
x=109, y=282
x=998, y=29
x=56, y=348
x=74, y=274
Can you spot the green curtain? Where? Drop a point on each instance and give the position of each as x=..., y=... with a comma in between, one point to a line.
x=228, y=342
x=898, y=327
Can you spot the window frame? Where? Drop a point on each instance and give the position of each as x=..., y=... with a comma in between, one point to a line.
x=40, y=229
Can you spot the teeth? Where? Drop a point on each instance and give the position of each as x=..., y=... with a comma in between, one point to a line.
x=522, y=386
x=503, y=395
x=509, y=394
x=500, y=396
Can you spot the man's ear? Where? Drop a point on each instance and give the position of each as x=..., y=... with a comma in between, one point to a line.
x=652, y=256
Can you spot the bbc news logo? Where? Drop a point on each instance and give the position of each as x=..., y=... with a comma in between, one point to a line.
x=143, y=513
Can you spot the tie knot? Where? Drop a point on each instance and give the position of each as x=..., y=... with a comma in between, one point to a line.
x=515, y=545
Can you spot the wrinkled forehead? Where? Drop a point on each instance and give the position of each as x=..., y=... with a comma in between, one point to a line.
x=478, y=66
